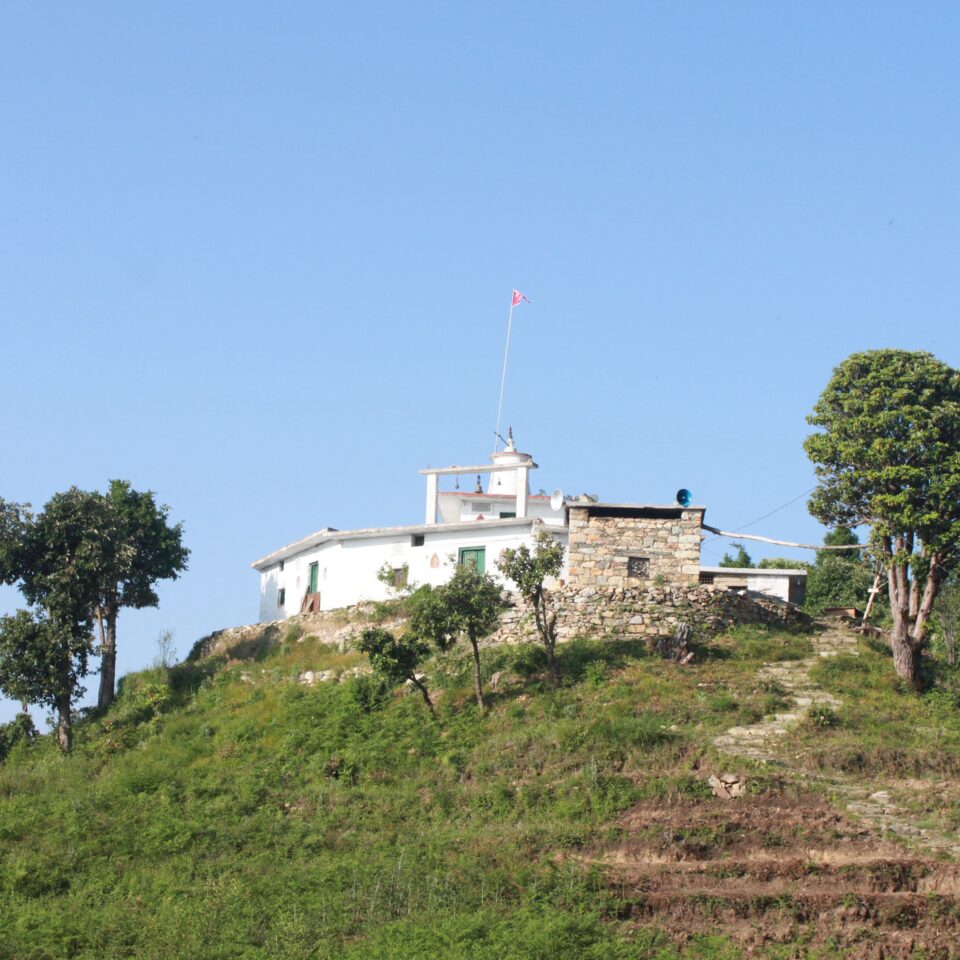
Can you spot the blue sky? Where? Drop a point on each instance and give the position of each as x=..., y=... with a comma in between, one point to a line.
x=257, y=257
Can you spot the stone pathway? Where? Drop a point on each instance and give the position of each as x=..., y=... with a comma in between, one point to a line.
x=758, y=741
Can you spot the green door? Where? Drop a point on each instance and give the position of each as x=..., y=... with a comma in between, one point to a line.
x=474, y=555
x=314, y=577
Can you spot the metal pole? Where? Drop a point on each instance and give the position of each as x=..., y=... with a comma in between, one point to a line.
x=503, y=378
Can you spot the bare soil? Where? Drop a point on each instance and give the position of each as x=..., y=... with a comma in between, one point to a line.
x=779, y=868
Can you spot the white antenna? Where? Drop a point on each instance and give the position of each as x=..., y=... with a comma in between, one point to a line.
x=516, y=298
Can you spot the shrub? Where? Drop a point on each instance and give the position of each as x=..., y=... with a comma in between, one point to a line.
x=19, y=730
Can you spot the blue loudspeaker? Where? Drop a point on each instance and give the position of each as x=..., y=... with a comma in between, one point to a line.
x=684, y=497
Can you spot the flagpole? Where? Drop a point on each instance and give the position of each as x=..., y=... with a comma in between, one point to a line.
x=503, y=376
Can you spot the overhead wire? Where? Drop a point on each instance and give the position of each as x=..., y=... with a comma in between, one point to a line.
x=770, y=514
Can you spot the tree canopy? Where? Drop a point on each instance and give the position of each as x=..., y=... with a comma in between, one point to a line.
x=467, y=605
x=887, y=455
x=528, y=569
x=79, y=561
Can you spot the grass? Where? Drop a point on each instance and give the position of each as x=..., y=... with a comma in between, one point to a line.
x=221, y=809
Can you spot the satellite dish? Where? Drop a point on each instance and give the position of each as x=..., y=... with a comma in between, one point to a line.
x=556, y=501
x=684, y=497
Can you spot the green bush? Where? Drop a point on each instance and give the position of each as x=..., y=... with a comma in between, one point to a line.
x=18, y=730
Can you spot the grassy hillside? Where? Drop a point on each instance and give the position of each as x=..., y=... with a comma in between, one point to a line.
x=225, y=810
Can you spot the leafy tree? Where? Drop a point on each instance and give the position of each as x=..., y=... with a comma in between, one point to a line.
x=888, y=456
x=139, y=549
x=740, y=559
x=15, y=731
x=946, y=615
x=839, y=578
x=396, y=659
x=87, y=555
x=528, y=570
x=468, y=605
x=42, y=661
x=14, y=518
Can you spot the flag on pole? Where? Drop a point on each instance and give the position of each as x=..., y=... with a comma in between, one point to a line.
x=518, y=297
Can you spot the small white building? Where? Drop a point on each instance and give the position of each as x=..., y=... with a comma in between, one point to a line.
x=338, y=568
x=787, y=585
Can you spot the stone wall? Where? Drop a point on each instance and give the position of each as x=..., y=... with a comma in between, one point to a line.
x=599, y=612
x=641, y=612
x=612, y=546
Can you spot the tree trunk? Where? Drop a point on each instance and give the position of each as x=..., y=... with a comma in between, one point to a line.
x=546, y=627
x=64, y=726
x=108, y=662
x=426, y=696
x=477, y=682
x=906, y=653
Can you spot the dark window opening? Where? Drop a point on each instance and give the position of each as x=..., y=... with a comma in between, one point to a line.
x=706, y=578
x=508, y=514
x=638, y=567
x=281, y=565
x=416, y=540
x=281, y=597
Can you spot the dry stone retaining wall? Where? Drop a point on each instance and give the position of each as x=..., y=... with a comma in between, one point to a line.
x=644, y=612
x=581, y=612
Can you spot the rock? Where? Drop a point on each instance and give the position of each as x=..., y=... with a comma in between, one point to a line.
x=727, y=785
x=676, y=647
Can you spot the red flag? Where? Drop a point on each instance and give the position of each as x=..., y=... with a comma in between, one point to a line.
x=518, y=297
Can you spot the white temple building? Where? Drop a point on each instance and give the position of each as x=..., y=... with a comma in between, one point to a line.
x=615, y=544
x=338, y=568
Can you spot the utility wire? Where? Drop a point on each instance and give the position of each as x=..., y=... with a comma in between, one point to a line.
x=770, y=514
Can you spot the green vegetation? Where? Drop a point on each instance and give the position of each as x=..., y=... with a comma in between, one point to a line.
x=888, y=455
x=78, y=562
x=528, y=569
x=741, y=559
x=221, y=809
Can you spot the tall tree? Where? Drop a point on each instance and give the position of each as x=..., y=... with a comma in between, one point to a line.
x=528, y=569
x=98, y=552
x=137, y=548
x=888, y=456
x=42, y=661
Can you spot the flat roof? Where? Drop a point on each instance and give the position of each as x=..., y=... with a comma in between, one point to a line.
x=756, y=571
x=328, y=534
x=633, y=509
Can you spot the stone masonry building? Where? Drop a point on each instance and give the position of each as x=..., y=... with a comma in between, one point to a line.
x=626, y=545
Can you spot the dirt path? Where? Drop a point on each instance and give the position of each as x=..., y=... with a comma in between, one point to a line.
x=758, y=742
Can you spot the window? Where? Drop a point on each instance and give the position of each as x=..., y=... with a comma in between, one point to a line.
x=706, y=578
x=281, y=597
x=281, y=566
x=507, y=514
x=416, y=540
x=478, y=507
x=638, y=567
x=399, y=576
x=473, y=555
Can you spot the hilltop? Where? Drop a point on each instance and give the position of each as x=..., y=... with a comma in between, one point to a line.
x=223, y=808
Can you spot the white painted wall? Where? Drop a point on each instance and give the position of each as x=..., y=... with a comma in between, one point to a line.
x=348, y=567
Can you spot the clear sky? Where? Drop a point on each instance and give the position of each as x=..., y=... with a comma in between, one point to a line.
x=257, y=257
